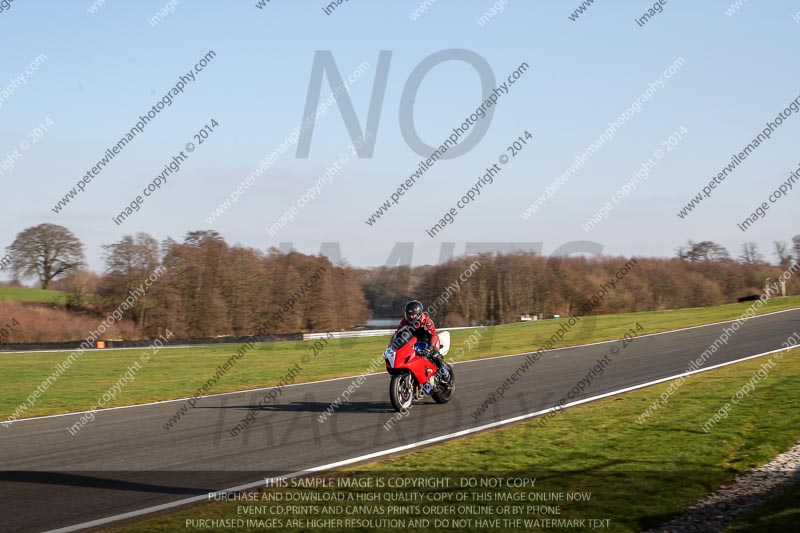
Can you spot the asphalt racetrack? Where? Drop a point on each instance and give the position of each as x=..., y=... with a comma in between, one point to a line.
x=126, y=460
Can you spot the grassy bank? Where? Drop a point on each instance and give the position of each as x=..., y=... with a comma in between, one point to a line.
x=781, y=513
x=637, y=475
x=179, y=372
x=24, y=295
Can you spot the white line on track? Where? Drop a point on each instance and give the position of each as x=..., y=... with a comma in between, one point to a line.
x=374, y=455
x=8, y=423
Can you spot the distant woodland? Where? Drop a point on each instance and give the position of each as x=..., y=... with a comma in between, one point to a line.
x=208, y=287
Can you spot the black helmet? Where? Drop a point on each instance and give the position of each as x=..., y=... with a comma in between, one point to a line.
x=413, y=311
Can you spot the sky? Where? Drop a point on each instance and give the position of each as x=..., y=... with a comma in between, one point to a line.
x=103, y=64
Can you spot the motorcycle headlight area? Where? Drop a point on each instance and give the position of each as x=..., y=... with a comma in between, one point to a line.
x=389, y=355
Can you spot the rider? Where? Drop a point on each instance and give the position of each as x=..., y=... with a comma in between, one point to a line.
x=422, y=327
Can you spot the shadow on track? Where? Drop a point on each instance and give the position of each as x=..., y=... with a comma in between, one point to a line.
x=318, y=407
x=68, y=479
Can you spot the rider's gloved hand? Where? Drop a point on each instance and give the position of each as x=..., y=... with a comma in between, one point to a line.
x=437, y=358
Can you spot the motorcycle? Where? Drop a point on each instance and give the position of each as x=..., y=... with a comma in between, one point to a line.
x=414, y=375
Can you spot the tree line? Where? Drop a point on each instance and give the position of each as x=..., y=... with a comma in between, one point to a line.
x=507, y=286
x=210, y=288
x=207, y=287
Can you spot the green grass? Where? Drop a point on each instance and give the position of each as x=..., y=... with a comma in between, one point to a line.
x=24, y=295
x=781, y=513
x=176, y=373
x=638, y=475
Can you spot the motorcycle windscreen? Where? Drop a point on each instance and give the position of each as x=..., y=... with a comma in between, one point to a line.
x=401, y=338
x=444, y=340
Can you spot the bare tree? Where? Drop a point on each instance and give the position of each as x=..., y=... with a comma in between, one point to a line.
x=46, y=252
x=80, y=286
x=750, y=254
x=128, y=264
x=796, y=246
x=784, y=257
x=704, y=251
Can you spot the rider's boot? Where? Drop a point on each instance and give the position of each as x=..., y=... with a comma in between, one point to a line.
x=438, y=360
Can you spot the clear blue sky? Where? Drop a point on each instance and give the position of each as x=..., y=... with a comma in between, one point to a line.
x=105, y=69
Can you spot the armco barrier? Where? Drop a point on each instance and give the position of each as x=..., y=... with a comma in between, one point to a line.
x=109, y=344
x=364, y=333
x=348, y=334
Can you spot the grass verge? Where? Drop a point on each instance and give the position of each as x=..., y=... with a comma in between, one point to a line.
x=24, y=294
x=781, y=513
x=179, y=372
x=636, y=476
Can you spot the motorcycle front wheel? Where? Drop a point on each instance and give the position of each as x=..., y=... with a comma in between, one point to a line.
x=445, y=392
x=401, y=392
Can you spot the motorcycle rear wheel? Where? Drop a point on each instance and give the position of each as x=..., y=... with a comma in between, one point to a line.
x=401, y=392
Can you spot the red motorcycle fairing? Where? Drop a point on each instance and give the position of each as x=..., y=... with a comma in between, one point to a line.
x=406, y=358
